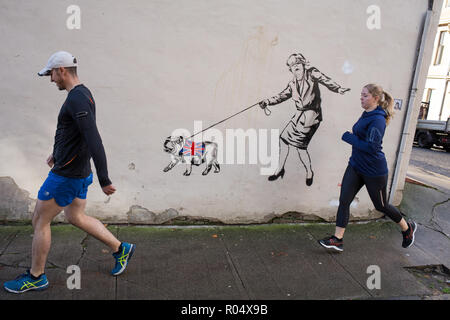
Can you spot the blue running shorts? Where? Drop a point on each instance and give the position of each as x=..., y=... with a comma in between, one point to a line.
x=63, y=189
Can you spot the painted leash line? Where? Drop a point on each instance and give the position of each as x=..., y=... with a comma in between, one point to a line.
x=266, y=111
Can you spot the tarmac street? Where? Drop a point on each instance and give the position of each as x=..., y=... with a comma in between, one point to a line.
x=248, y=262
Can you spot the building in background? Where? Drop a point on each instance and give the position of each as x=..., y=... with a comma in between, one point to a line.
x=436, y=96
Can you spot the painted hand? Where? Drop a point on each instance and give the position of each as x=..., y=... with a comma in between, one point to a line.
x=263, y=104
x=343, y=90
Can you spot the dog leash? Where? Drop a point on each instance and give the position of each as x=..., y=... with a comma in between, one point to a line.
x=266, y=111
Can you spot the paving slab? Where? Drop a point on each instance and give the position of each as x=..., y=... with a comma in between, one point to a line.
x=7, y=234
x=430, y=208
x=176, y=263
x=284, y=262
x=441, y=216
x=434, y=244
x=376, y=244
x=18, y=251
x=16, y=259
x=419, y=203
x=96, y=263
x=57, y=291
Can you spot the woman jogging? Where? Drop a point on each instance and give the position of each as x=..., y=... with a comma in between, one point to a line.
x=368, y=166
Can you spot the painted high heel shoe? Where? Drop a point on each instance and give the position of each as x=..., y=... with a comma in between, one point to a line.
x=276, y=176
x=309, y=181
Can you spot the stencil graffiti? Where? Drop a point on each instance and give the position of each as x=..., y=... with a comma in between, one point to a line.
x=191, y=153
x=304, y=90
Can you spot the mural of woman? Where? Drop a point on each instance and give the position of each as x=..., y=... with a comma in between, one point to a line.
x=304, y=90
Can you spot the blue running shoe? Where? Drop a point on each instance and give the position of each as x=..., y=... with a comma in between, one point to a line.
x=25, y=282
x=122, y=257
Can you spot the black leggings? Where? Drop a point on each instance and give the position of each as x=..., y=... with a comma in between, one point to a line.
x=352, y=182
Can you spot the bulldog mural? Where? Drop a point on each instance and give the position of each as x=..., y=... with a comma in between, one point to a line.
x=186, y=151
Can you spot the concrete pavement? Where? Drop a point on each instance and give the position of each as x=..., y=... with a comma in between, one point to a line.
x=276, y=262
x=430, y=166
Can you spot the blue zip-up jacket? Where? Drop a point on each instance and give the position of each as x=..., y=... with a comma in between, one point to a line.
x=366, y=140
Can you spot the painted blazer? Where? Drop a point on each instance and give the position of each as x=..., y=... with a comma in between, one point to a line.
x=306, y=93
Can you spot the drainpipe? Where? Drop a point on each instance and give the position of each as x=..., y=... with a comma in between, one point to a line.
x=411, y=99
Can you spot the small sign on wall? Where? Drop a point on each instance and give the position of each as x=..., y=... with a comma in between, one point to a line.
x=398, y=104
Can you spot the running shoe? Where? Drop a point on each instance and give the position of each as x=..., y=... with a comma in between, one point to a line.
x=332, y=243
x=25, y=282
x=408, y=235
x=122, y=257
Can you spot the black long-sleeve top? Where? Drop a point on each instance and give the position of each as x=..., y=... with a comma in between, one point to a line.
x=77, y=138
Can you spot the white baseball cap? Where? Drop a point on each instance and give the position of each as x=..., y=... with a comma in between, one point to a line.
x=58, y=59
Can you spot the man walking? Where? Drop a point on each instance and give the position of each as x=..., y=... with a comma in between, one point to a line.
x=76, y=141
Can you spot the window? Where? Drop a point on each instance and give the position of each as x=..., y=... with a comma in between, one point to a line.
x=440, y=48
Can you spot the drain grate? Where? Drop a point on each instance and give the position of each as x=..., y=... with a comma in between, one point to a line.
x=436, y=277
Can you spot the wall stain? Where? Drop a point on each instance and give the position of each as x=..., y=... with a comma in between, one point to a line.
x=15, y=203
x=242, y=82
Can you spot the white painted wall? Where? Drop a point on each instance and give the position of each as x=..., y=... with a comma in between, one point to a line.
x=158, y=66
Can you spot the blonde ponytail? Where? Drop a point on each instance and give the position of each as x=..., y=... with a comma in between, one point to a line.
x=388, y=105
x=385, y=100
